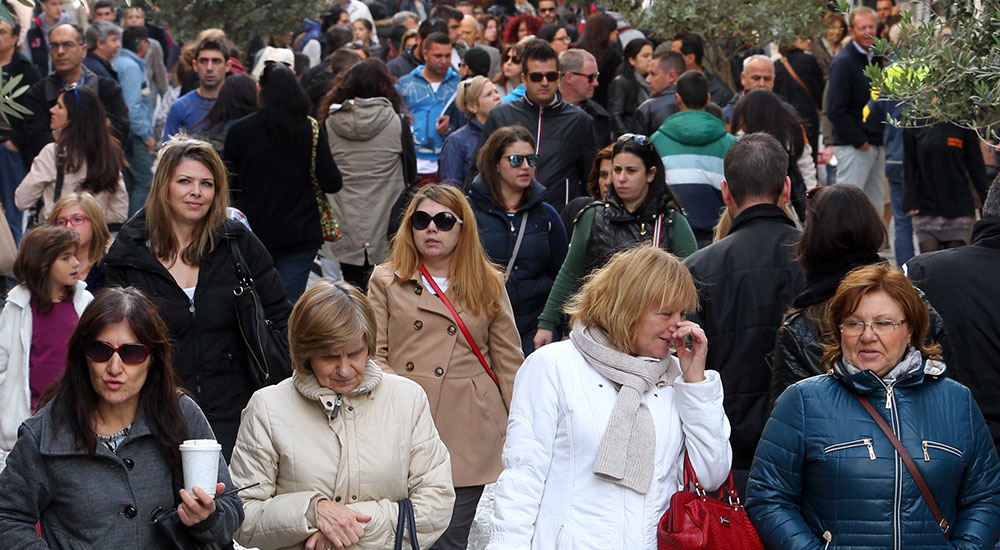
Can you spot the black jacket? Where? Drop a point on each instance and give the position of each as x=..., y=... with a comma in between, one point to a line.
x=543, y=248
x=799, y=346
x=100, y=66
x=209, y=353
x=624, y=97
x=38, y=46
x=655, y=110
x=403, y=64
x=566, y=148
x=615, y=228
x=746, y=282
x=602, y=122
x=719, y=91
x=33, y=132
x=962, y=284
x=807, y=101
x=271, y=184
x=18, y=65
x=847, y=92
x=942, y=164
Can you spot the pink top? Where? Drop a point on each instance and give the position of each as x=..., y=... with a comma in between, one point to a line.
x=50, y=331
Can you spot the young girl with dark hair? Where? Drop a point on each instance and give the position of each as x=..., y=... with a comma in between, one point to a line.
x=105, y=448
x=36, y=322
x=89, y=155
x=272, y=164
x=639, y=207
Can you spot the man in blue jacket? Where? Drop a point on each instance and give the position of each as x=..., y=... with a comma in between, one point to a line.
x=428, y=90
x=857, y=137
x=131, y=69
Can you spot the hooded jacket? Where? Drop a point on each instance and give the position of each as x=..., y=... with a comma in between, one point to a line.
x=209, y=352
x=543, y=248
x=367, y=450
x=565, y=137
x=824, y=467
x=692, y=145
x=366, y=142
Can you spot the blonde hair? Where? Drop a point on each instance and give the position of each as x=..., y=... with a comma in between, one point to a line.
x=100, y=236
x=473, y=280
x=159, y=219
x=330, y=314
x=469, y=92
x=615, y=297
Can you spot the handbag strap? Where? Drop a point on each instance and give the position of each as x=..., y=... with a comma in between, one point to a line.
x=461, y=326
x=728, y=488
x=917, y=478
x=60, y=174
x=517, y=245
x=406, y=517
x=657, y=230
x=798, y=79
x=244, y=278
x=315, y=140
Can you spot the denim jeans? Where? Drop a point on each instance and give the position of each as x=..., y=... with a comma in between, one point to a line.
x=902, y=242
x=138, y=174
x=293, y=268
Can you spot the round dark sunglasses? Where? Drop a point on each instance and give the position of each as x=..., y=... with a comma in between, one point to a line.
x=518, y=160
x=130, y=354
x=444, y=221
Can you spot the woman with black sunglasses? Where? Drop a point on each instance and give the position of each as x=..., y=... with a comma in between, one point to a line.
x=520, y=232
x=639, y=207
x=445, y=322
x=102, y=453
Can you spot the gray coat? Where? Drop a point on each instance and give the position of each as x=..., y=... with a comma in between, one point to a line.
x=103, y=501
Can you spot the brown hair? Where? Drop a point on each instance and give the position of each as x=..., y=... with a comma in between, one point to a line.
x=39, y=250
x=490, y=155
x=366, y=79
x=100, y=235
x=593, y=181
x=330, y=314
x=615, y=297
x=159, y=219
x=475, y=282
x=873, y=278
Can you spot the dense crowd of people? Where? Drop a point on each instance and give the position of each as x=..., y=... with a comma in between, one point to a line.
x=519, y=249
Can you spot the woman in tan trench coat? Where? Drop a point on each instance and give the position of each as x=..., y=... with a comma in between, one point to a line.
x=419, y=338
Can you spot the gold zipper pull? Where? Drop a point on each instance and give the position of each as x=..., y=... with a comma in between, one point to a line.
x=871, y=448
x=642, y=228
x=828, y=538
x=927, y=457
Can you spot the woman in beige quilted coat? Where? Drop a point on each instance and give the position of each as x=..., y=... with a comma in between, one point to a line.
x=341, y=442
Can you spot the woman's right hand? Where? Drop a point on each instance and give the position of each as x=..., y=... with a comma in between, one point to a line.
x=542, y=337
x=339, y=524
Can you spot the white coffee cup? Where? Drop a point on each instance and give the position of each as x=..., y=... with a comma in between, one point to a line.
x=200, y=462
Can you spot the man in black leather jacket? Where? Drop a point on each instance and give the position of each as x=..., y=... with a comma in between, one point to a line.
x=564, y=133
x=664, y=70
x=746, y=282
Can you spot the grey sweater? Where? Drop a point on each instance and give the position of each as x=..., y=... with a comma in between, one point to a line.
x=104, y=501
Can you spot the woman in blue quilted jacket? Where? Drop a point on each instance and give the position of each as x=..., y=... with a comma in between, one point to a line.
x=826, y=476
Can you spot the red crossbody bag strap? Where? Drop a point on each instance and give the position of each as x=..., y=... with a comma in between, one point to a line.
x=914, y=473
x=461, y=326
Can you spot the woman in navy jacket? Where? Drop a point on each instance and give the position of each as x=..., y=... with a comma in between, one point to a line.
x=826, y=476
x=505, y=197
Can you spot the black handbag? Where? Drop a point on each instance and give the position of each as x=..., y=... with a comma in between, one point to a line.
x=406, y=517
x=268, y=361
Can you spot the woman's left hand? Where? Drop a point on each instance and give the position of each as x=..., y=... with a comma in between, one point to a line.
x=195, y=509
x=692, y=360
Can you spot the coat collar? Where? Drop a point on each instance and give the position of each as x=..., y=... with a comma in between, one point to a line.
x=482, y=196
x=768, y=212
x=907, y=375
x=986, y=233
x=57, y=440
x=310, y=388
x=21, y=296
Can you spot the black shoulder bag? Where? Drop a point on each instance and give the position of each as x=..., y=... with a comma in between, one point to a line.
x=268, y=361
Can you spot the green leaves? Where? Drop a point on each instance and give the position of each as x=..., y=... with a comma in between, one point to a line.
x=8, y=93
x=240, y=19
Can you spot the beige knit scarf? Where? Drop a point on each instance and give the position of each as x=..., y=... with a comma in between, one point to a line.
x=626, y=454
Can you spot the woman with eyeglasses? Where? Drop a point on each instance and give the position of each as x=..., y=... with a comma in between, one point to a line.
x=444, y=321
x=556, y=36
x=85, y=153
x=81, y=213
x=476, y=97
x=509, y=77
x=842, y=232
x=275, y=156
x=179, y=250
x=639, y=207
x=827, y=473
x=101, y=457
x=520, y=232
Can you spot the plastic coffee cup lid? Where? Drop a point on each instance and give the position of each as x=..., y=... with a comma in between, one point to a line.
x=200, y=445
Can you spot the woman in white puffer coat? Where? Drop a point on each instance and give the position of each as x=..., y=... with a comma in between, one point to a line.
x=573, y=475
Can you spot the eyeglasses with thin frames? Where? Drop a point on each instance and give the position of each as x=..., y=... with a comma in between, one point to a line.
x=881, y=327
x=76, y=220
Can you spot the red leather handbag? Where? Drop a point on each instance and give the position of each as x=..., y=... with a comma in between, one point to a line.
x=696, y=520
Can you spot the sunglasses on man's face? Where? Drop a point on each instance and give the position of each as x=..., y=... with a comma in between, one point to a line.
x=130, y=354
x=444, y=221
x=551, y=76
x=546, y=10
x=517, y=160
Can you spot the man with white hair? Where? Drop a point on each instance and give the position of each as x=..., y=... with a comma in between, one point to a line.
x=472, y=32
x=758, y=72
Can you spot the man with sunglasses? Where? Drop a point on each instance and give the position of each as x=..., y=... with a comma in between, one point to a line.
x=67, y=50
x=577, y=84
x=564, y=133
x=548, y=12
